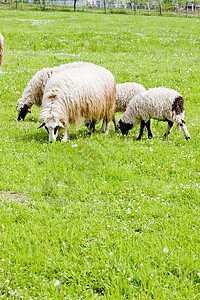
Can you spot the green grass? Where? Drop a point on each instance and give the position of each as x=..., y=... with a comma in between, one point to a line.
x=99, y=217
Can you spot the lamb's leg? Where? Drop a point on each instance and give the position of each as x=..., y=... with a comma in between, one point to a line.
x=148, y=129
x=142, y=125
x=66, y=135
x=184, y=129
x=114, y=121
x=169, y=128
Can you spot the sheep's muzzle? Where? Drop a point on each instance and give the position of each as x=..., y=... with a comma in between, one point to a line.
x=124, y=127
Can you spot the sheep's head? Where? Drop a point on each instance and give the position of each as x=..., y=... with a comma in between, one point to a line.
x=22, y=111
x=124, y=127
x=52, y=127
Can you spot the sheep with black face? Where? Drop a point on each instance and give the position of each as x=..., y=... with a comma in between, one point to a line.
x=34, y=91
x=160, y=103
x=88, y=92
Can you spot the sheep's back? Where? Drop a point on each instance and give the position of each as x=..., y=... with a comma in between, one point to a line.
x=154, y=103
x=125, y=92
x=86, y=92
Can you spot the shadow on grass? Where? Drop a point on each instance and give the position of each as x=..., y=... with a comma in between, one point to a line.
x=41, y=136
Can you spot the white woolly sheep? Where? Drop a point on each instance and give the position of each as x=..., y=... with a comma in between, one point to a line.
x=88, y=92
x=124, y=93
x=1, y=49
x=161, y=103
x=34, y=91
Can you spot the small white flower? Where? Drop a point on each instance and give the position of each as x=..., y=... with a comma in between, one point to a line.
x=75, y=145
x=57, y=282
x=129, y=279
x=166, y=250
x=151, y=149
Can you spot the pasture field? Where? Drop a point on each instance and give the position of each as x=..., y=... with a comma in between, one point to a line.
x=99, y=217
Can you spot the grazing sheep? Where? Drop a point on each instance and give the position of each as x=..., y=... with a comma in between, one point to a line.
x=161, y=103
x=1, y=49
x=88, y=92
x=124, y=93
x=34, y=91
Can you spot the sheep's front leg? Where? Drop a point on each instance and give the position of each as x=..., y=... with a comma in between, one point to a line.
x=169, y=128
x=142, y=124
x=148, y=129
x=66, y=135
x=114, y=121
x=184, y=129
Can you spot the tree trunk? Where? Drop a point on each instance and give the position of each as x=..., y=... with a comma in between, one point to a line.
x=74, y=5
x=160, y=7
x=135, y=7
x=187, y=9
x=105, y=5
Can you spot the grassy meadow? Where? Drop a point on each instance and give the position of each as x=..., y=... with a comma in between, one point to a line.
x=99, y=217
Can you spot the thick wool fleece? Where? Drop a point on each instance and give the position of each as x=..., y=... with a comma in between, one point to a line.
x=88, y=92
x=156, y=103
x=34, y=91
x=125, y=92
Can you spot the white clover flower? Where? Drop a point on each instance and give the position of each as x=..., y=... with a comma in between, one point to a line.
x=166, y=250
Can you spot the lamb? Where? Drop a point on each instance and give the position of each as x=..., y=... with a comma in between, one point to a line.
x=160, y=103
x=88, y=92
x=124, y=93
x=34, y=91
x=1, y=49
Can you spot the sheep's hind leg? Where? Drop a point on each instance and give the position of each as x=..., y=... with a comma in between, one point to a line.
x=103, y=126
x=107, y=127
x=91, y=127
x=66, y=135
x=169, y=128
x=184, y=129
x=142, y=125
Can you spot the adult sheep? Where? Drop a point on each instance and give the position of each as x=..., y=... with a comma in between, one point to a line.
x=88, y=92
x=34, y=91
x=1, y=49
x=124, y=93
x=160, y=103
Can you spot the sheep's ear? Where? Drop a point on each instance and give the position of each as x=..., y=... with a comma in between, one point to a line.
x=60, y=125
x=42, y=125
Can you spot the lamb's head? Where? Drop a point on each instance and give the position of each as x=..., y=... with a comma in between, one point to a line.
x=52, y=127
x=124, y=127
x=23, y=110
